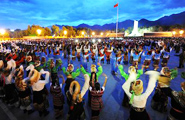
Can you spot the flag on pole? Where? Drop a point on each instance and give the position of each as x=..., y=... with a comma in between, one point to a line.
x=116, y=5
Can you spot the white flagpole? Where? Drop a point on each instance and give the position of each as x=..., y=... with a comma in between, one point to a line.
x=117, y=22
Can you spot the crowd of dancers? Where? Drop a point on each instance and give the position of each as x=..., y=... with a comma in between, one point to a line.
x=27, y=66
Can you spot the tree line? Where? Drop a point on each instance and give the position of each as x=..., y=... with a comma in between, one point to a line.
x=73, y=32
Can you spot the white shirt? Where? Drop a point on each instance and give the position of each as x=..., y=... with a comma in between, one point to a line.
x=78, y=50
x=39, y=85
x=140, y=101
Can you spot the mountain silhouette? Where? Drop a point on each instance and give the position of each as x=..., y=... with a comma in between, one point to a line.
x=166, y=20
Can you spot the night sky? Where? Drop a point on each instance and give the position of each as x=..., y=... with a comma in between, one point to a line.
x=21, y=13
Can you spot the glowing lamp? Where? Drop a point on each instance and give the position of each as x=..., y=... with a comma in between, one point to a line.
x=65, y=32
x=39, y=31
x=181, y=32
x=173, y=32
x=83, y=33
x=93, y=33
x=2, y=31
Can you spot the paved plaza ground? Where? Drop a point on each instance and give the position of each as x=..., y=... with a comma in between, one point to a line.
x=112, y=98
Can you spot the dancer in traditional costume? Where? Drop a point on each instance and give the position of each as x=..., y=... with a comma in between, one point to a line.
x=101, y=55
x=20, y=59
x=38, y=87
x=53, y=69
x=148, y=57
x=93, y=52
x=177, y=111
x=75, y=95
x=23, y=90
x=134, y=88
x=71, y=75
x=125, y=102
x=108, y=53
x=78, y=49
x=86, y=52
x=125, y=61
x=57, y=53
x=119, y=56
x=58, y=98
x=140, y=49
x=135, y=55
x=160, y=100
x=156, y=59
x=93, y=72
x=96, y=97
x=10, y=91
x=166, y=57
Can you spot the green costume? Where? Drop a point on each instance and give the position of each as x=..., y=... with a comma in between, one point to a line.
x=73, y=74
x=100, y=71
x=40, y=67
x=54, y=69
x=123, y=74
x=174, y=73
x=29, y=63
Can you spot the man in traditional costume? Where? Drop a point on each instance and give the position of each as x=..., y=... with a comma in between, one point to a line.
x=75, y=95
x=125, y=102
x=134, y=88
x=23, y=90
x=96, y=97
x=71, y=75
x=58, y=98
x=38, y=87
x=53, y=69
x=78, y=50
x=93, y=72
x=10, y=91
x=160, y=99
x=177, y=111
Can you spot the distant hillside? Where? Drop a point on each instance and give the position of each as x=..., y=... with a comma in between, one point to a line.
x=166, y=20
